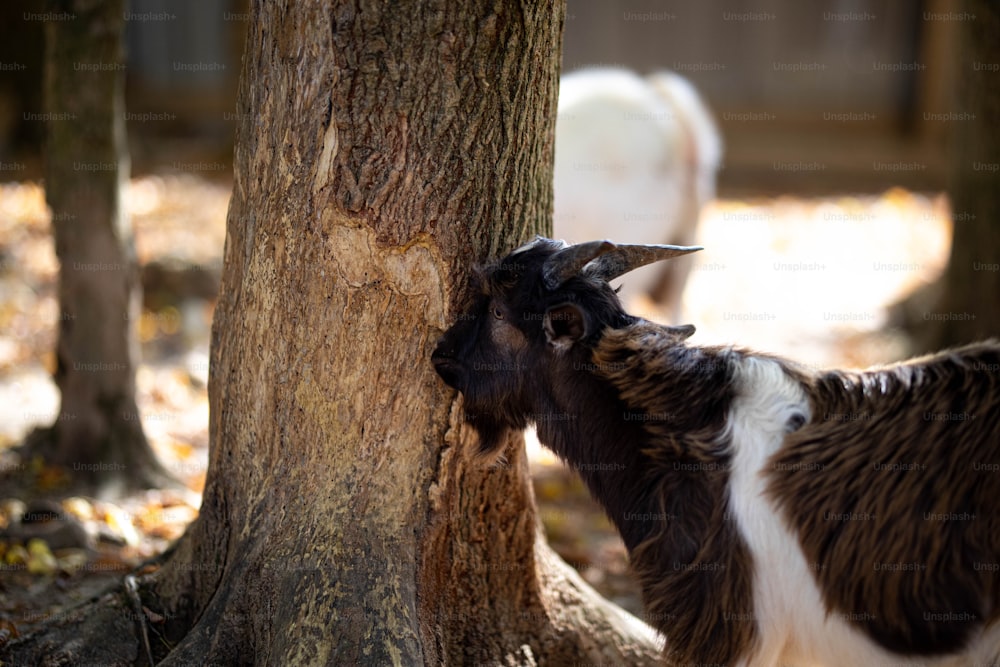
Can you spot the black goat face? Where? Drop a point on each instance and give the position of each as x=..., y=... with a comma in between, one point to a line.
x=484, y=356
x=498, y=346
x=541, y=305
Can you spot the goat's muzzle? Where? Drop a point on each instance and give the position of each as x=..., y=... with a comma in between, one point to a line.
x=446, y=365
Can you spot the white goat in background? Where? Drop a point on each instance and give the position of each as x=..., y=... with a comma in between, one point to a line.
x=635, y=160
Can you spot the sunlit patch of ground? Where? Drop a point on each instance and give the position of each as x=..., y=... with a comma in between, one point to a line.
x=812, y=279
x=180, y=216
x=177, y=217
x=804, y=278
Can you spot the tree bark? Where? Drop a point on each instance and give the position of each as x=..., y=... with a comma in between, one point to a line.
x=97, y=435
x=968, y=308
x=383, y=151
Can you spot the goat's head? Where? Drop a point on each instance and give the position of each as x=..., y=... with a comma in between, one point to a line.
x=539, y=309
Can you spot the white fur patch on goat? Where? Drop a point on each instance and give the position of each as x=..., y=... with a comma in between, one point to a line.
x=793, y=625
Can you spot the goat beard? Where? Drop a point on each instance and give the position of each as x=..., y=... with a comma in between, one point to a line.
x=494, y=435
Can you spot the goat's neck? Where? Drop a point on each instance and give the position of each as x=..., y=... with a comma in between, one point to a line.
x=604, y=448
x=605, y=425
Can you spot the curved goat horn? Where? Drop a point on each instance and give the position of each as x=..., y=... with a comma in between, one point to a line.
x=569, y=261
x=620, y=259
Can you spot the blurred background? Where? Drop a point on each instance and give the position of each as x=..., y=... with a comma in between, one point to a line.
x=844, y=124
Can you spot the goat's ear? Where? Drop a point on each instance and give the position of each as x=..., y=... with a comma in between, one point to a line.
x=564, y=325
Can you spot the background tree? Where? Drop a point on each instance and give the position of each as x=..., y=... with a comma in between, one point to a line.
x=381, y=150
x=969, y=305
x=97, y=433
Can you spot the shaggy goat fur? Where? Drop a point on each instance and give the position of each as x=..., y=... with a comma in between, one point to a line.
x=772, y=513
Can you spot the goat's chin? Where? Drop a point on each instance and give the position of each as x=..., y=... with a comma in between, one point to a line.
x=493, y=437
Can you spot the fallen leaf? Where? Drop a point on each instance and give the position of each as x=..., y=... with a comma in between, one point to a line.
x=40, y=558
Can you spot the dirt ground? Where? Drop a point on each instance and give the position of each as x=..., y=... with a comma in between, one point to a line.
x=806, y=278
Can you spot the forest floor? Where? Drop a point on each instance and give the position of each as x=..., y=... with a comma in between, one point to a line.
x=811, y=279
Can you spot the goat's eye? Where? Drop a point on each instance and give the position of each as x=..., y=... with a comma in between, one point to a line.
x=497, y=313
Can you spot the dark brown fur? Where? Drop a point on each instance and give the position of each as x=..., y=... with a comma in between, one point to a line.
x=695, y=570
x=637, y=418
x=900, y=510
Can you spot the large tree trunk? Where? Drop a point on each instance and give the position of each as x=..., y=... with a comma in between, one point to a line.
x=97, y=434
x=969, y=306
x=383, y=149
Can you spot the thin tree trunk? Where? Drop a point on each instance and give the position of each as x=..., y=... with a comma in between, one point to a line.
x=97, y=435
x=969, y=306
x=384, y=149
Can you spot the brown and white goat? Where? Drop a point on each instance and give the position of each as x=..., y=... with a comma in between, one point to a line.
x=773, y=514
